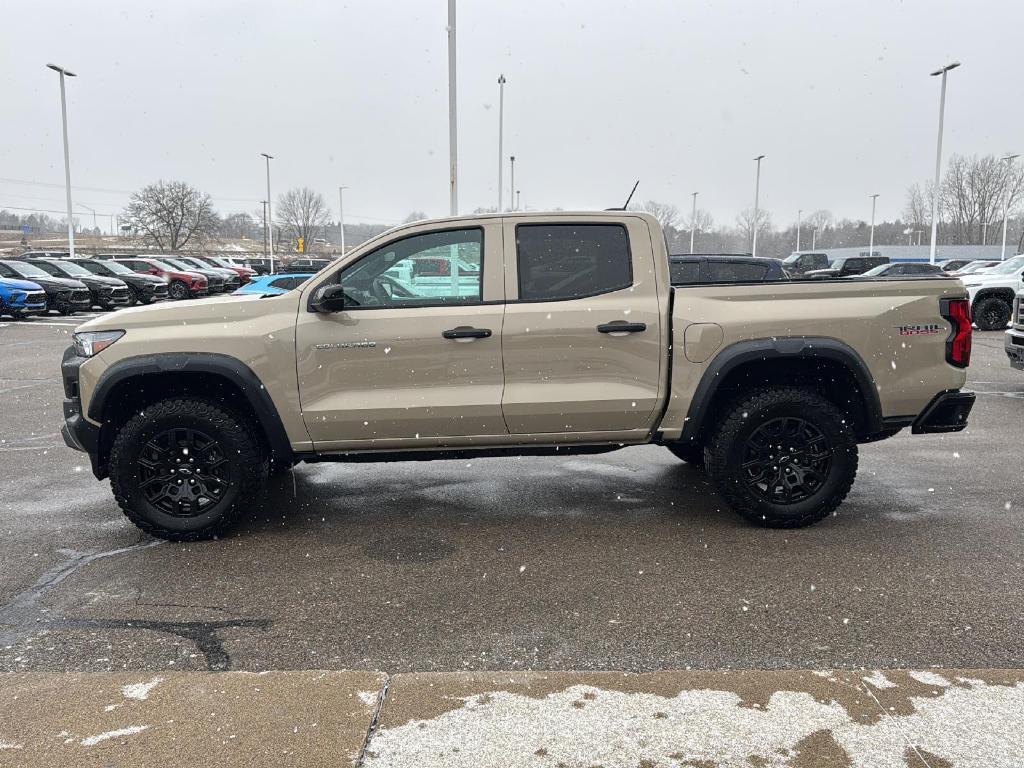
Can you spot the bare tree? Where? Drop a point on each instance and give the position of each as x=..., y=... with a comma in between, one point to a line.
x=702, y=222
x=303, y=213
x=745, y=223
x=666, y=213
x=170, y=215
x=918, y=208
x=414, y=216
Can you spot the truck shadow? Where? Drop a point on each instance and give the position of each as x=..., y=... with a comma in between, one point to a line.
x=489, y=492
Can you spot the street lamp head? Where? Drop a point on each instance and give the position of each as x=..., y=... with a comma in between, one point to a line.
x=58, y=68
x=1009, y=158
x=264, y=154
x=501, y=79
x=759, y=157
x=945, y=69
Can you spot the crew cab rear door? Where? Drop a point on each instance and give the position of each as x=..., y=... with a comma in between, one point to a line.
x=583, y=345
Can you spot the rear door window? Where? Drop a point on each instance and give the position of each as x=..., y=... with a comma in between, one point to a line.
x=557, y=262
x=735, y=271
x=684, y=272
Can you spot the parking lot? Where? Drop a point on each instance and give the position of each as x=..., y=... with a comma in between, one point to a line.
x=381, y=594
x=624, y=561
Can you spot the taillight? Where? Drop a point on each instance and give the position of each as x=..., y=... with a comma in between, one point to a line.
x=958, y=345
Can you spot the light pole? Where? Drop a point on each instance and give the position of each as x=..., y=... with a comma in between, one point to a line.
x=1008, y=159
x=512, y=182
x=264, y=203
x=67, y=158
x=501, y=136
x=517, y=199
x=757, y=192
x=814, y=238
x=938, y=156
x=453, y=143
x=693, y=221
x=267, y=216
x=871, y=242
x=799, y=214
x=341, y=218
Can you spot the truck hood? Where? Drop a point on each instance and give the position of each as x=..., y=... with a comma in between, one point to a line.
x=193, y=312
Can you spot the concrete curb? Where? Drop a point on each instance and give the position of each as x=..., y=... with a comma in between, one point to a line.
x=929, y=718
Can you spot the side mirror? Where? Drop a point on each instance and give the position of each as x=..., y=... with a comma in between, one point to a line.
x=327, y=299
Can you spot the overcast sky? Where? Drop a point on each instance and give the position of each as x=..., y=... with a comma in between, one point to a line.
x=681, y=95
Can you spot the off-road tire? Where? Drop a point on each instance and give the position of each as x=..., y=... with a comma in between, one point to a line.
x=177, y=290
x=992, y=313
x=728, y=447
x=246, y=462
x=692, y=454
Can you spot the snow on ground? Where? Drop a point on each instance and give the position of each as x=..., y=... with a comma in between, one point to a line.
x=973, y=725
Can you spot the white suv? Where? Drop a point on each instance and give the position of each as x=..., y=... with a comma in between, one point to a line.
x=992, y=293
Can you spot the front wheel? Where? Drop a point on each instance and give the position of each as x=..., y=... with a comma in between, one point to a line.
x=992, y=313
x=783, y=458
x=133, y=297
x=185, y=469
x=178, y=290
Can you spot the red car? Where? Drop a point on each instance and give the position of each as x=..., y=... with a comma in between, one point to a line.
x=180, y=284
x=244, y=273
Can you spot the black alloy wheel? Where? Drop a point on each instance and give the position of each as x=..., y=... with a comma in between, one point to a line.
x=183, y=472
x=786, y=460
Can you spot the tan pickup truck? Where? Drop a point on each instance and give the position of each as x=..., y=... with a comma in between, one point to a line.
x=539, y=334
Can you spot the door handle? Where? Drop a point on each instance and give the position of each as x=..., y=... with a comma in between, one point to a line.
x=465, y=333
x=621, y=327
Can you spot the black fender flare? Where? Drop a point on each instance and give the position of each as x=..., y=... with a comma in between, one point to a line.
x=805, y=347
x=225, y=366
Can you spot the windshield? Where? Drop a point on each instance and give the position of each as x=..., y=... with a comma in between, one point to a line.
x=119, y=269
x=166, y=266
x=70, y=268
x=1007, y=267
x=179, y=264
x=27, y=270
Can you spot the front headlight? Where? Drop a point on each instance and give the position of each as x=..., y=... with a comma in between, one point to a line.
x=91, y=343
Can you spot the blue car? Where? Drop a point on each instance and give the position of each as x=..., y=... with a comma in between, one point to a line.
x=273, y=285
x=21, y=298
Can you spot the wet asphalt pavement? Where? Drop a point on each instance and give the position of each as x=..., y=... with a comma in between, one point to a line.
x=624, y=561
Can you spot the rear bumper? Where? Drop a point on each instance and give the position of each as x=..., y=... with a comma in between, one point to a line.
x=947, y=412
x=1014, y=345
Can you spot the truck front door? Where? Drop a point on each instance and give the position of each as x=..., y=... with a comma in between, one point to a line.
x=583, y=343
x=408, y=360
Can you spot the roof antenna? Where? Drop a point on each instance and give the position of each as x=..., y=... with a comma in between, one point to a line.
x=626, y=204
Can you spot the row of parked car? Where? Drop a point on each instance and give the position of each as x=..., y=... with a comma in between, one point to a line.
x=41, y=282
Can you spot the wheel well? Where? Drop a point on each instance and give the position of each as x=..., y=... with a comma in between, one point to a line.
x=1006, y=294
x=830, y=378
x=131, y=395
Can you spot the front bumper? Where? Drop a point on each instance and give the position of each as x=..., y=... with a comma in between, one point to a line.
x=1014, y=345
x=76, y=431
x=947, y=412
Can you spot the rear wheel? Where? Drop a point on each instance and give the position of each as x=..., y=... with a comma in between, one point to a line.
x=185, y=469
x=992, y=313
x=783, y=458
